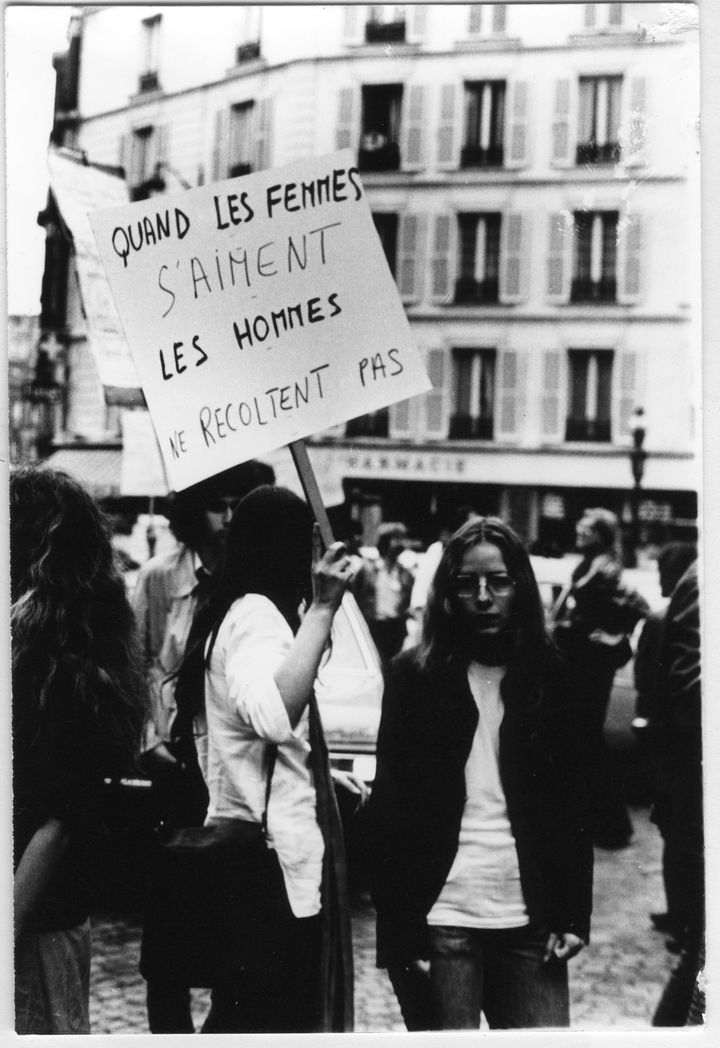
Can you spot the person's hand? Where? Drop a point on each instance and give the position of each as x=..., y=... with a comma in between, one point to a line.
x=563, y=946
x=420, y=965
x=352, y=783
x=331, y=572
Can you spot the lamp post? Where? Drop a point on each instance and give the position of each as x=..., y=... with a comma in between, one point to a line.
x=638, y=454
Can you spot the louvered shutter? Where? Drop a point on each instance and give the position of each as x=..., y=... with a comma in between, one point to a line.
x=475, y=19
x=560, y=240
x=353, y=27
x=434, y=407
x=626, y=386
x=561, y=144
x=411, y=256
x=553, y=396
x=631, y=251
x=263, y=133
x=402, y=418
x=413, y=147
x=345, y=133
x=125, y=154
x=220, y=145
x=514, y=255
x=499, y=18
x=590, y=15
x=516, y=144
x=417, y=26
x=161, y=139
x=448, y=129
x=443, y=268
x=509, y=395
x=635, y=145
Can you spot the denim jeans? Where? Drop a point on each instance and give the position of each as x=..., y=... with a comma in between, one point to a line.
x=499, y=973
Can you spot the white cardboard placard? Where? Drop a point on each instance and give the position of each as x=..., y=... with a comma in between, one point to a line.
x=259, y=310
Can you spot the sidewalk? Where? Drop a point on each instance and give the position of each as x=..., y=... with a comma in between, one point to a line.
x=615, y=983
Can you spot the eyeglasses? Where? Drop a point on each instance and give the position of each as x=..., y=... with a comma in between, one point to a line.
x=467, y=584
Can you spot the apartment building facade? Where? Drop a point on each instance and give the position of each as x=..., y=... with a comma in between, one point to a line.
x=533, y=174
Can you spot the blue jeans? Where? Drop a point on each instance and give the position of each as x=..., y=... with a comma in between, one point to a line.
x=500, y=973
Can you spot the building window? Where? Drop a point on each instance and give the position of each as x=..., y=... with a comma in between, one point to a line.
x=374, y=424
x=241, y=139
x=150, y=28
x=387, y=229
x=600, y=15
x=599, y=120
x=145, y=178
x=484, y=123
x=595, y=263
x=248, y=34
x=478, y=14
x=473, y=393
x=385, y=24
x=479, y=258
x=589, y=394
x=380, y=138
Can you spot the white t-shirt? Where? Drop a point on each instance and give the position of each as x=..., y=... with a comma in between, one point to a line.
x=483, y=887
x=244, y=713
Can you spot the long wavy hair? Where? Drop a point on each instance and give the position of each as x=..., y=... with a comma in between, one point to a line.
x=75, y=651
x=443, y=635
x=268, y=550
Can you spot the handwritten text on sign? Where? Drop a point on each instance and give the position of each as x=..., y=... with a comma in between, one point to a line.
x=259, y=310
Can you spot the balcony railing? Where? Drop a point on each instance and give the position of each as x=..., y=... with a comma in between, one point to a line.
x=382, y=157
x=385, y=32
x=591, y=429
x=588, y=291
x=148, y=82
x=476, y=156
x=247, y=52
x=594, y=153
x=476, y=292
x=466, y=427
x=239, y=169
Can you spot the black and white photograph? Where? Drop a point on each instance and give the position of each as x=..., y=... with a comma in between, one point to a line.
x=358, y=414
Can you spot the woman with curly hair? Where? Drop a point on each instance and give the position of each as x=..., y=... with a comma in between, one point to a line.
x=78, y=709
x=482, y=876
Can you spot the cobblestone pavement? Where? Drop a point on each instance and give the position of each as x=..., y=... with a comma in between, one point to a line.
x=615, y=982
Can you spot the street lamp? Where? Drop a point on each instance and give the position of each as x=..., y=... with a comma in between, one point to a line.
x=638, y=454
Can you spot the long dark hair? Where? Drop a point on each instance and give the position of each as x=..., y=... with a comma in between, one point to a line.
x=75, y=650
x=268, y=550
x=442, y=635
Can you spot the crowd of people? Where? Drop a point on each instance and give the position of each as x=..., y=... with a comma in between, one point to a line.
x=492, y=788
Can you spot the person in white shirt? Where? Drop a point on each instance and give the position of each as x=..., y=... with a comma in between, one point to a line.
x=266, y=629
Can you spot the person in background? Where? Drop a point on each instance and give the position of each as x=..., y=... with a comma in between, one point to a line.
x=264, y=633
x=78, y=708
x=428, y=566
x=169, y=590
x=673, y=560
x=592, y=626
x=382, y=588
x=680, y=691
x=482, y=855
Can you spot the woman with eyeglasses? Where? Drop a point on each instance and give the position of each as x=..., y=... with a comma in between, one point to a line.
x=482, y=860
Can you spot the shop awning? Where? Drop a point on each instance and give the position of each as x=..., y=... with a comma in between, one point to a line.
x=97, y=469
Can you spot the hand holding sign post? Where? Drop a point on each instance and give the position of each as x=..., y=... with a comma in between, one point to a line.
x=258, y=310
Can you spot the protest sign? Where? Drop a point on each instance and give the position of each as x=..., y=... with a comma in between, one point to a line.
x=259, y=310
x=141, y=467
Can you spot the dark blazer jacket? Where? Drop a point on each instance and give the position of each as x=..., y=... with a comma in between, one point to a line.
x=426, y=732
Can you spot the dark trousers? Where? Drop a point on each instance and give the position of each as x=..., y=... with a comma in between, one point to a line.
x=675, y=1002
x=412, y=989
x=499, y=973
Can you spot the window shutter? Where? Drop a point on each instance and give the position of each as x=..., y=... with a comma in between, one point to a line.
x=162, y=143
x=516, y=146
x=475, y=19
x=635, y=144
x=631, y=250
x=560, y=240
x=413, y=147
x=402, y=418
x=352, y=24
x=626, y=386
x=411, y=256
x=220, y=146
x=434, y=407
x=590, y=15
x=417, y=27
x=345, y=137
x=124, y=154
x=499, y=18
x=561, y=123
x=508, y=405
x=447, y=129
x=443, y=274
x=552, y=396
x=263, y=135
x=514, y=257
